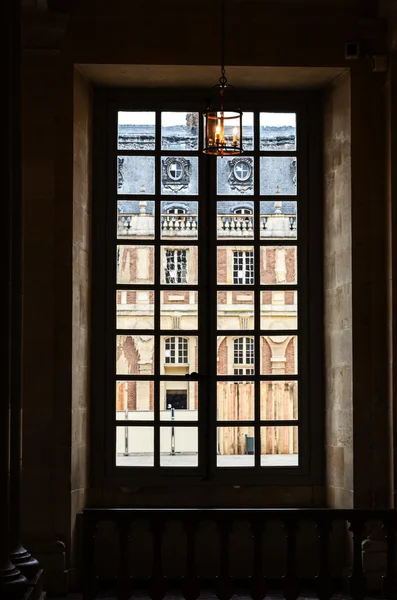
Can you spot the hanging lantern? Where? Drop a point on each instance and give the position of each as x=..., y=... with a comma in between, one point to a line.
x=223, y=120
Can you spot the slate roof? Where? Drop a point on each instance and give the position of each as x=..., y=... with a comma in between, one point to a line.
x=224, y=207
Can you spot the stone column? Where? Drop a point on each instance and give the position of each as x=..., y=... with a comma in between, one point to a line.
x=12, y=582
x=20, y=557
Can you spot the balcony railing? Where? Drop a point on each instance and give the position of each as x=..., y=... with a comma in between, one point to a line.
x=242, y=226
x=229, y=226
x=264, y=578
x=178, y=225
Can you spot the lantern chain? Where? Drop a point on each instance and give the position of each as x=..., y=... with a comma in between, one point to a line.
x=222, y=79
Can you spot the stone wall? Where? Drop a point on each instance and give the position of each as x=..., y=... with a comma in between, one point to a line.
x=81, y=307
x=54, y=485
x=337, y=294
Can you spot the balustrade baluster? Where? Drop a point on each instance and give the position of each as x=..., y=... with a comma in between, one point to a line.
x=191, y=588
x=89, y=575
x=290, y=581
x=323, y=579
x=390, y=578
x=225, y=585
x=224, y=591
x=258, y=582
x=357, y=578
x=157, y=587
x=124, y=581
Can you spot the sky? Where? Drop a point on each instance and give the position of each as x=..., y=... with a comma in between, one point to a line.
x=175, y=118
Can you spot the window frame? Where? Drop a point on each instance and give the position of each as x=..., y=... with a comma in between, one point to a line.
x=307, y=105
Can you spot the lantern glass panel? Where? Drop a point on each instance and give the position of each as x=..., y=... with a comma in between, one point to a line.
x=223, y=130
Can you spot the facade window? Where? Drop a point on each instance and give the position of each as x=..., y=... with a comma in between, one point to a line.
x=176, y=211
x=242, y=211
x=243, y=267
x=176, y=351
x=205, y=323
x=176, y=266
x=243, y=354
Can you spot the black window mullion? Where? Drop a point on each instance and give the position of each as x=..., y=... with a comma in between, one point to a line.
x=211, y=207
x=202, y=309
x=257, y=292
x=157, y=298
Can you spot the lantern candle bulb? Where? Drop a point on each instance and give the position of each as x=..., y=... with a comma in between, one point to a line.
x=234, y=136
x=217, y=134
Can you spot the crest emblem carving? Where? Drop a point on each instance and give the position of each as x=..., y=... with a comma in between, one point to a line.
x=241, y=174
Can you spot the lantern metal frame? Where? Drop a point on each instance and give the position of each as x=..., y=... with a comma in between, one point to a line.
x=218, y=115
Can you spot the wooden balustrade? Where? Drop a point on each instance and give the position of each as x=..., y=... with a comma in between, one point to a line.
x=260, y=583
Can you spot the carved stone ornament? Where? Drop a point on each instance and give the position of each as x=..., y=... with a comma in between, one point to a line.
x=175, y=174
x=241, y=174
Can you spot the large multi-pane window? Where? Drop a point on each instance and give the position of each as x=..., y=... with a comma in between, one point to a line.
x=208, y=356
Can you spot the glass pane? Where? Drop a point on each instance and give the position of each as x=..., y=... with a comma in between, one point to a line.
x=279, y=400
x=278, y=219
x=235, y=401
x=135, y=264
x=236, y=355
x=279, y=446
x=179, y=130
x=135, y=354
x=235, y=176
x=136, y=130
x=277, y=131
x=235, y=265
x=135, y=175
x=279, y=309
x=235, y=310
x=178, y=447
x=179, y=400
x=178, y=310
x=135, y=219
x=178, y=354
x=235, y=447
x=134, y=400
x=248, y=131
x=135, y=309
x=179, y=175
x=134, y=447
x=235, y=220
x=179, y=265
x=278, y=265
x=278, y=175
x=179, y=219
x=279, y=355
